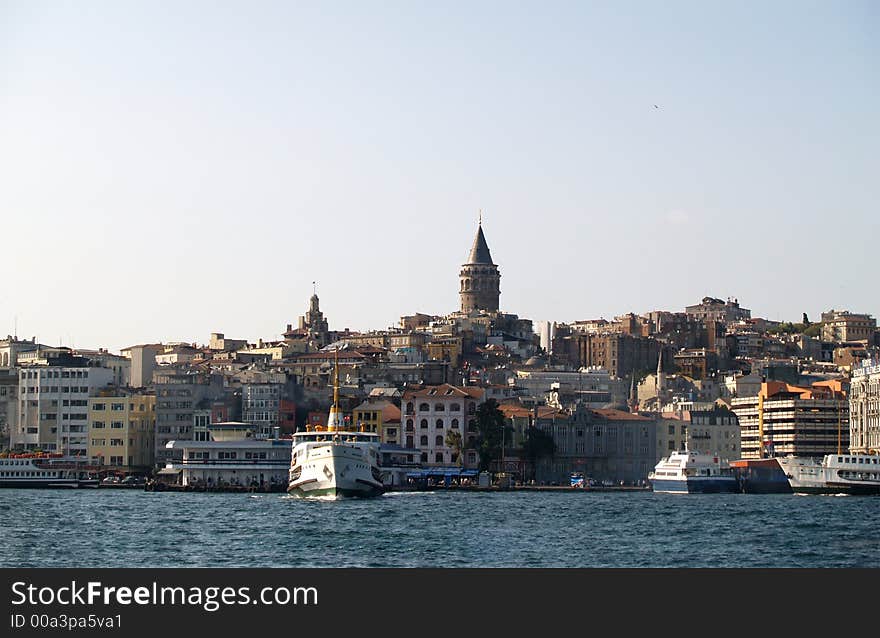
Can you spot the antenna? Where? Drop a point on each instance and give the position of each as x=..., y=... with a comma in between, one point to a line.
x=480, y=222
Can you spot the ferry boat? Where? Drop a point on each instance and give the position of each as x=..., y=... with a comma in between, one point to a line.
x=833, y=473
x=44, y=470
x=690, y=472
x=335, y=461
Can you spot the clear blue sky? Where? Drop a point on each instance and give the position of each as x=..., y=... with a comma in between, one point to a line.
x=168, y=169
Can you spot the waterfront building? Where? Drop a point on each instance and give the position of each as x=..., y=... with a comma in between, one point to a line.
x=54, y=404
x=864, y=408
x=713, y=431
x=8, y=404
x=244, y=462
x=121, y=429
x=604, y=444
x=179, y=393
x=479, y=278
x=785, y=419
x=430, y=412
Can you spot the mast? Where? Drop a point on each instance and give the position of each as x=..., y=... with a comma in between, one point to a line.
x=334, y=422
x=336, y=379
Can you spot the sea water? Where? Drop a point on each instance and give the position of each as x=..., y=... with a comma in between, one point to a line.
x=127, y=528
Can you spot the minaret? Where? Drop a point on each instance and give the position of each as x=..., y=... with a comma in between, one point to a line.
x=633, y=402
x=479, y=279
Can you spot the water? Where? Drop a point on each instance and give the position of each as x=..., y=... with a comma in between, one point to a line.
x=125, y=528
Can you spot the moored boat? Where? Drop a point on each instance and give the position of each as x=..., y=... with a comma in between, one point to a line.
x=760, y=476
x=691, y=472
x=44, y=470
x=833, y=473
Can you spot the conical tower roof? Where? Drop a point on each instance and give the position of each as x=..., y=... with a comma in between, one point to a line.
x=480, y=250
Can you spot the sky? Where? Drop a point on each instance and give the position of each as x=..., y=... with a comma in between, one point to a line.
x=172, y=169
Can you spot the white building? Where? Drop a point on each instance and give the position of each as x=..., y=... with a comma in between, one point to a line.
x=245, y=463
x=431, y=412
x=864, y=409
x=54, y=407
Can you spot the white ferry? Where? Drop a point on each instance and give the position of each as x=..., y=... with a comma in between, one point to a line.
x=690, y=472
x=833, y=473
x=335, y=461
x=44, y=470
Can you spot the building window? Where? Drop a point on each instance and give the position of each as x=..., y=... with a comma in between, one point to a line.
x=424, y=407
x=454, y=424
x=409, y=425
x=438, y=440
x=671, y=429
x=423, y=424
x=423, y=440
x=455, y=407
x=439, y=423
x=438, y=458
x=439, y=407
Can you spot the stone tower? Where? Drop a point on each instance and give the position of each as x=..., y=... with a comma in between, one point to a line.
x=314, y=322
x=480, y=281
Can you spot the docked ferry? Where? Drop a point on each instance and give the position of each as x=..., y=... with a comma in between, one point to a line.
x=690, y=472
x=335, y=461
x=44, y=470
x=833, y=473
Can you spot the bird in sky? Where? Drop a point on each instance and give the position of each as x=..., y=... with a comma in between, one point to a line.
x=656, y=107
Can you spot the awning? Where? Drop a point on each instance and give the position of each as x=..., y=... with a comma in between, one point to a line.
x=168, y=470
x=442, y=472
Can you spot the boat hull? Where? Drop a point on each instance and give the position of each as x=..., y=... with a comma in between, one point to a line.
x=335, y=470
x=760, y=476
x=832, y=475
x=696, y=485
x=46, y=483
x=336, y=491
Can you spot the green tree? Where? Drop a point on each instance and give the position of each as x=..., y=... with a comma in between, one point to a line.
x=456, y=442
x=814, y=330
x=537, y=444
x=492, y=429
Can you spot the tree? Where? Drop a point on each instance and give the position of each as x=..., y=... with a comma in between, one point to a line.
x=492, y=429
x=814, y=330
x=538, y=444
x=456, y=442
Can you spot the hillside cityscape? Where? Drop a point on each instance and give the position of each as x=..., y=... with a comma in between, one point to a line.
x=612, y=395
